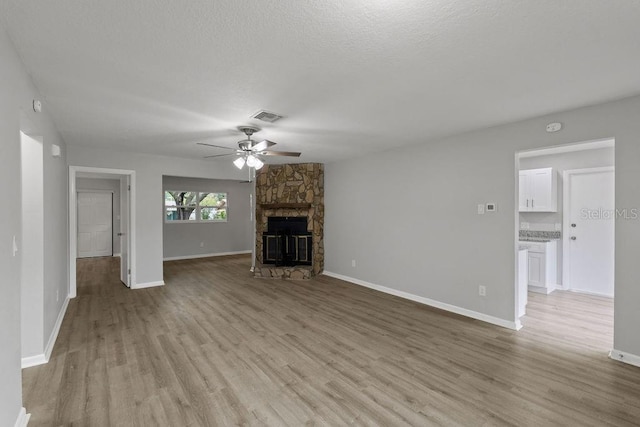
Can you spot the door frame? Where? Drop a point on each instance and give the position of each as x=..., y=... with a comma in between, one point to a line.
x=73, y=219
x=566, y=221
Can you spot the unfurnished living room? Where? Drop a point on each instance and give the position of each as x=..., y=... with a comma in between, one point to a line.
x=329, y=212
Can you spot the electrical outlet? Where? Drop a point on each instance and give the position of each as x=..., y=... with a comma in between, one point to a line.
x=202, y=244
x=482, y=291
x=57, y=295
x=353, y=263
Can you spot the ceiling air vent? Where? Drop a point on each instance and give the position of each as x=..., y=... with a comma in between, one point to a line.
x=266, y=116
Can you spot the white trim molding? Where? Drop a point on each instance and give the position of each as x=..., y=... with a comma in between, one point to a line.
x=76, y=171
x=23, y=418
x=625, y=357
x=56, y=329
x=178, y=258
x=147, y=285
x=41, y=359
x=30, y=361
x=515, y=325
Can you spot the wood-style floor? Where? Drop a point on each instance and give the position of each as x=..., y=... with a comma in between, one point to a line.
x=217, y=347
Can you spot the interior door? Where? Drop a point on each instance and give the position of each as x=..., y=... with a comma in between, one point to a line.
x=591, y=231
x=125, y=214
x=95, y=224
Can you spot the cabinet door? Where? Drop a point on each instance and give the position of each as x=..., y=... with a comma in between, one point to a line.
x=523, y=192
x=537, y=269
x=540, y=186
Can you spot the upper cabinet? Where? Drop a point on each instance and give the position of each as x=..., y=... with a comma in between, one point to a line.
x=538, y=190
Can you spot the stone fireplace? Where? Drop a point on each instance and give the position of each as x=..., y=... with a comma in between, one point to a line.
x=290, y=221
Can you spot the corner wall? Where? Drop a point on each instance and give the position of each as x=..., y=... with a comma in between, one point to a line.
x=16, y=114
x=408, y=216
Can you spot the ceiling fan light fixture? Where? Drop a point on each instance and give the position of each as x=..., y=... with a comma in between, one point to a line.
x=239, y=162
x=252, y=161
x=258, y=164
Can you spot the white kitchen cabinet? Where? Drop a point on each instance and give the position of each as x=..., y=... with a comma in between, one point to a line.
x=542, y=265
x=538, y=190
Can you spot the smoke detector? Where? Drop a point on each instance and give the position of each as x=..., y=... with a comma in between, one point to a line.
x=266, y=116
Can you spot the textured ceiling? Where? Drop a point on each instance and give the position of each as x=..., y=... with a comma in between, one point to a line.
x=350, y=76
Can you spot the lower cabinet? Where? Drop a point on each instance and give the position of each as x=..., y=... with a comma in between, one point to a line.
x=542, y=266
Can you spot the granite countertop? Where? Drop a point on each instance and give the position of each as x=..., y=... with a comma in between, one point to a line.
x=539, y=236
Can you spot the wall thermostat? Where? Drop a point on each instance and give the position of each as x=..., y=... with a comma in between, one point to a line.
x=37, y=106
x=554, y=127
x=492, y=207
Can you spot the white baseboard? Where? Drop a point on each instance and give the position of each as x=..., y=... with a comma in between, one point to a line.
x=624, y=357
x=56, y=329
x=147, y=285
x=515, y=325
x=117, y=255
x=23, y=418
x=40, y=359
x=178, y=258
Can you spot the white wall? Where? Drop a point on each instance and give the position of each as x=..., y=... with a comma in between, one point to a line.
x=16, y=114
x=234, y=235
x=408, y=216
x=112, y=185
x=545, y=221
x=149, y=217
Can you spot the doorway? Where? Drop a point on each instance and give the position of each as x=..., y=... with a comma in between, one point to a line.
x=585, y=175
x=126, y=230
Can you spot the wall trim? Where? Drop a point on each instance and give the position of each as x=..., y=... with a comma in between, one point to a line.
x=624, y=357
x=432, y=303
x=117, y=255
x=56, y=329
x=41, y=359
x=177, y=258
x=29, y=361
x=23, y=418
x=147, y=285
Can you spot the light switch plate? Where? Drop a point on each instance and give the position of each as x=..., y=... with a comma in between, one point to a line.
x=481, y=209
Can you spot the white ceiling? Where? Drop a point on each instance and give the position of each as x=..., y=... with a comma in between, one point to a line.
x=349, y=75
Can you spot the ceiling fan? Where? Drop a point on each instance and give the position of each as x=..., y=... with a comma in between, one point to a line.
x=250, y=151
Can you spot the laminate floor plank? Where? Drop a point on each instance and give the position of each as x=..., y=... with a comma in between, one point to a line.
x=217, y=347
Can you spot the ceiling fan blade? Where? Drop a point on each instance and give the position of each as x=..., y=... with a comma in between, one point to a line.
x=216, y=146
x=218, y=155
x=280, y=153
x=262, y=145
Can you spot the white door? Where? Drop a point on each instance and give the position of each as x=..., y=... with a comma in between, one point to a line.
x=95, y=229
x=589, y=231
x=125, y=203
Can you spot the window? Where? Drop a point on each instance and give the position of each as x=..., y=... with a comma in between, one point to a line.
x=194, y=206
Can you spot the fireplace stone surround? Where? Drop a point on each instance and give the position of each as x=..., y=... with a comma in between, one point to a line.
x=291, y=190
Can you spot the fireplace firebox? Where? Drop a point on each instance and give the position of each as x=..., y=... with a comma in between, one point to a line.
x=287, y=242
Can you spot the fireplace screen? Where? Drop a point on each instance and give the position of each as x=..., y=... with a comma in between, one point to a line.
x=287, y=242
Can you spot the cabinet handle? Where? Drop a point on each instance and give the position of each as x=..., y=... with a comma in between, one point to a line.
x=532, y=205
x=527, y=202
